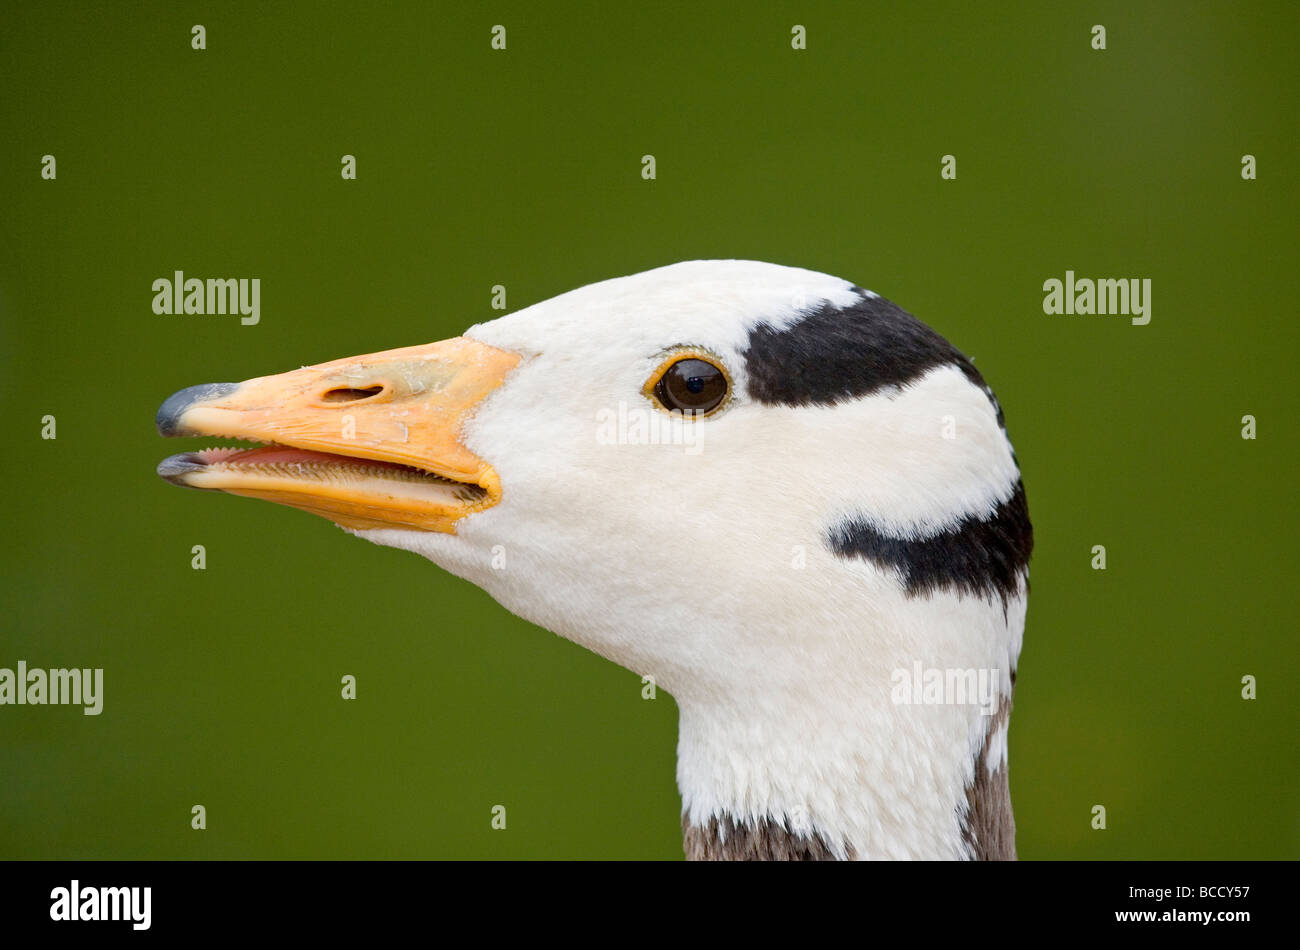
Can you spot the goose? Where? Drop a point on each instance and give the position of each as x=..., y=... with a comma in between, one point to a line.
x=783, y=498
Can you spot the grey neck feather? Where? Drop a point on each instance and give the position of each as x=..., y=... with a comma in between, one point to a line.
x=988, y=826
x=724, y=840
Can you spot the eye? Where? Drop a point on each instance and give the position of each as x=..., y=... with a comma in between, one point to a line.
x=693, y=384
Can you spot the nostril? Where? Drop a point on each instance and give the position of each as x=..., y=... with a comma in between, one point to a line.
x=346, y=394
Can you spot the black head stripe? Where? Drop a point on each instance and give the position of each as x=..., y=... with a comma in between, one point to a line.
x=979, y=556
x=835, y=354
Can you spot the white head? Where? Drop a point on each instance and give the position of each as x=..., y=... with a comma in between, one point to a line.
x=850, y=509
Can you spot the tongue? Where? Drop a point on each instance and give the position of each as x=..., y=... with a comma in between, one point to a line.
x=275, y=454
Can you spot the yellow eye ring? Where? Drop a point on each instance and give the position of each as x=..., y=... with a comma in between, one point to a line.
x=691, y=381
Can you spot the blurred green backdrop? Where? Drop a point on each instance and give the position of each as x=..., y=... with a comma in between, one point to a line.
x=522, y=167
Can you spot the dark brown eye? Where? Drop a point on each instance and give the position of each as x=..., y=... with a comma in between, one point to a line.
x=692, y=385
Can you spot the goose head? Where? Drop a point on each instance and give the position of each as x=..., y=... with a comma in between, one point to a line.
x=786, y=500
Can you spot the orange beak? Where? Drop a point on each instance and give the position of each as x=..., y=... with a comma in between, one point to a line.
x=368, y=442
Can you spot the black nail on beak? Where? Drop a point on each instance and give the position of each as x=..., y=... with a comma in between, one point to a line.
x=169, y=414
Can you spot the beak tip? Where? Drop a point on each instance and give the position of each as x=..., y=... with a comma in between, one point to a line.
x=170, y=412
x=174, y=468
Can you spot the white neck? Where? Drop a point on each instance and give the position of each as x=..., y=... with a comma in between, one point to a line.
x=838, y=759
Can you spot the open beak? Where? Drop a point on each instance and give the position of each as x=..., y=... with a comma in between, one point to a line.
x=368, y=442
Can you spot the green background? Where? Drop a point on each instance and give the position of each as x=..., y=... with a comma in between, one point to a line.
x=522, y=168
